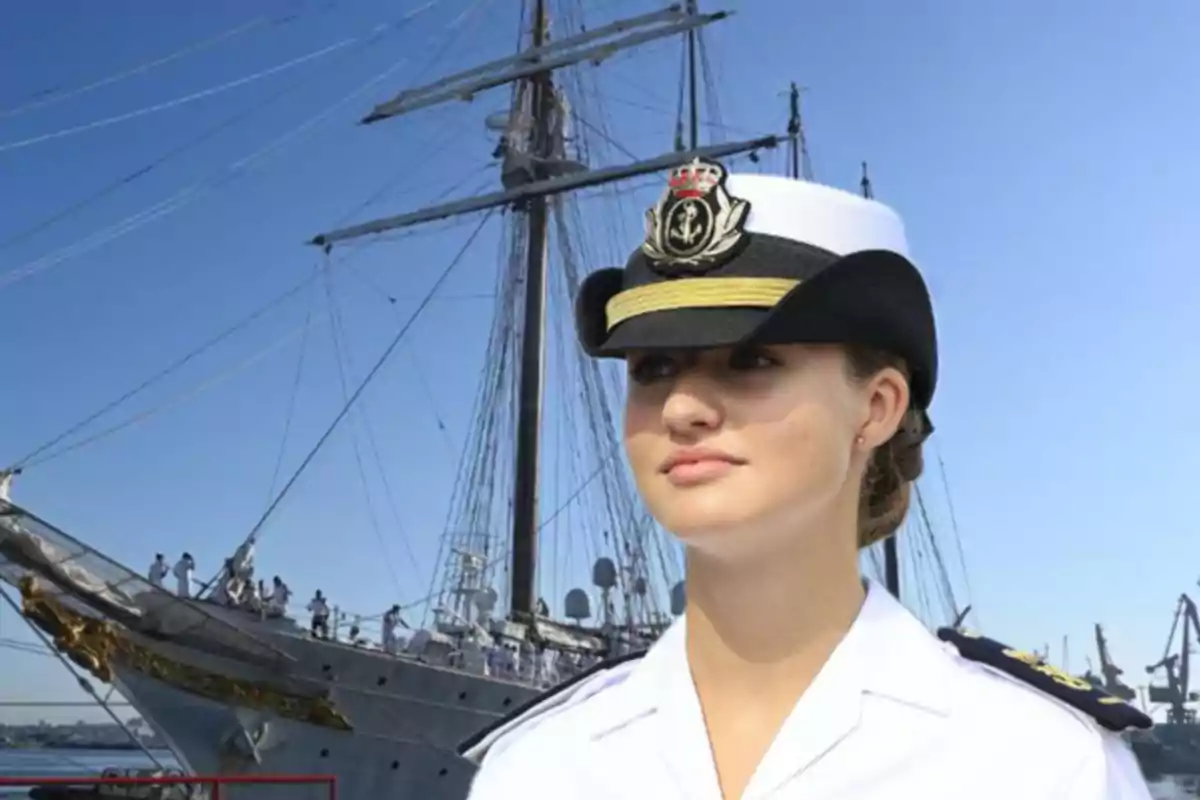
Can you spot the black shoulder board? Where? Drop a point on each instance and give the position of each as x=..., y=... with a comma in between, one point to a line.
x=542, y=698
x=1110, y=711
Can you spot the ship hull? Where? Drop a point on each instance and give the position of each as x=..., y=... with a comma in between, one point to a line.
x=234, y=693
x=212, y=738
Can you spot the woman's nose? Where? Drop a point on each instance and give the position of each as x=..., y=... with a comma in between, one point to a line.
x=692, y=404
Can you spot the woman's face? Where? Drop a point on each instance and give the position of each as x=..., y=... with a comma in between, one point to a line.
x=726, y=443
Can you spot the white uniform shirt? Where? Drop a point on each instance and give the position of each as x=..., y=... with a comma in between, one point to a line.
x=184, y=568
x=280, y=596
x=318, y=607
x=158, y=571
x=390, y=620
x=894, y=714
x=243, y=559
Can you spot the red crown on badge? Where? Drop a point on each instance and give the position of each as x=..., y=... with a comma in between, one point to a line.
x=695, y=179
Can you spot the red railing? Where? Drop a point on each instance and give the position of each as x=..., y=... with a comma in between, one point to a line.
x=215, y=782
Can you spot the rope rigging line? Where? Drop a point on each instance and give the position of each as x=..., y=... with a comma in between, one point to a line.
x=474, y=507
x=545, y=523
x=180, y=198
x=455, y=25
x=635, y=540
x=337, y=334
x=640, y=540
x=190, y=144
x=19, y=646
x=474, y=484
x=367, y=380
x=390, y=497
x=54, y=96
x=542, y=525
x=439, y=143
x=178, y=101
x=373, y=440
x=427, y=389
x=564, y=424
x=711, y=90
x=591, y=106
x=605, y=136
x=638, y=534
x=311, y=321
x=28, y=460
x=175, y=401
x=291, y=407
x=214, y=180
x=710, y=125
x=58, y=703
x=84, y=683
x=598, y=418
x=170, y=368
x=681, y=98
x=962, y=558
x=571, y=458
x=434, y=147
x=943, y=575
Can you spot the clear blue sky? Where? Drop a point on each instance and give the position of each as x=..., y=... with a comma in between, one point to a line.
x=1042, y=155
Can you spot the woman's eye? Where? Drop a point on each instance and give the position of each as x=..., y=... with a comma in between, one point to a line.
x=751, y=358
x=646, y=369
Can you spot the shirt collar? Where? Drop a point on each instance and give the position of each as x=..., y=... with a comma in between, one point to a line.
x=897, y=655
x=887, y=652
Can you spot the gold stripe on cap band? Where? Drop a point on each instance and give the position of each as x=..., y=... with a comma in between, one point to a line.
x=696, y=293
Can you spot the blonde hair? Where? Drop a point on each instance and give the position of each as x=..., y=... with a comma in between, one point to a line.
x=895, y=464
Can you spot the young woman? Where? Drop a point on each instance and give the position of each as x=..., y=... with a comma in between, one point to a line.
x=781, y=357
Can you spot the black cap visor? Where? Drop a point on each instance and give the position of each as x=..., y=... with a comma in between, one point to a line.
x=874, y=298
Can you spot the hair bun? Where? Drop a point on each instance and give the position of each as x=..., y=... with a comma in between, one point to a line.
x=887, y=484
x=907, y=454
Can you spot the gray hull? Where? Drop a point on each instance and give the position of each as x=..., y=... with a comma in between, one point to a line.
x=407, y=718
x=209, y=738
x=235, y=694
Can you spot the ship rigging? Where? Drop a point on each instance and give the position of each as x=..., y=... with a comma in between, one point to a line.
x=260, y=695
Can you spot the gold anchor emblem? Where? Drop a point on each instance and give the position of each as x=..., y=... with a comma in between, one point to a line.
x=696, y=222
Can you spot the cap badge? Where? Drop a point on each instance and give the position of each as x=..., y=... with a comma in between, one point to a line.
x=696, y=223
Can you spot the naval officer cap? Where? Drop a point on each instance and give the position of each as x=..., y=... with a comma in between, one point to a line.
x=733, y=259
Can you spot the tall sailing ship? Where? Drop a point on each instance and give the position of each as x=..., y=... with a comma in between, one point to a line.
x=239, y=693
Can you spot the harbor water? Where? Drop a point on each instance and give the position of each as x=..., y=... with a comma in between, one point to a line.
x=46, y=763
x=69, y=763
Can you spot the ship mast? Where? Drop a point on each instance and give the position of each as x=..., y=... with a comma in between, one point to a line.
x=799, y=162
x=522, y=575
x=534, y=67
x=693, y=89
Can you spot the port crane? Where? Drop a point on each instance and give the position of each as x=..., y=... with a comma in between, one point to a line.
x=1176, y=666
x=1110, y=674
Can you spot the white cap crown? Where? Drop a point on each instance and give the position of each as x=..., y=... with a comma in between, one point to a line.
x=822, y=216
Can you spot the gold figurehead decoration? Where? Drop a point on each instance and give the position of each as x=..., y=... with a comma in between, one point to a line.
x=98, y=646
x=696, y=223
x=90, y=643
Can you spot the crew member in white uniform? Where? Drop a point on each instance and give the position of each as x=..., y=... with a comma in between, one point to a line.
x=159, y=569
x=391, y=618
x=6, y=481
x=184, y=569
x=281, y=593
x=243, y=560
x=319, y=609
x=782, y=358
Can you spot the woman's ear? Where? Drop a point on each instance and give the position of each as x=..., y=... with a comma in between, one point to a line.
x=886, y=397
